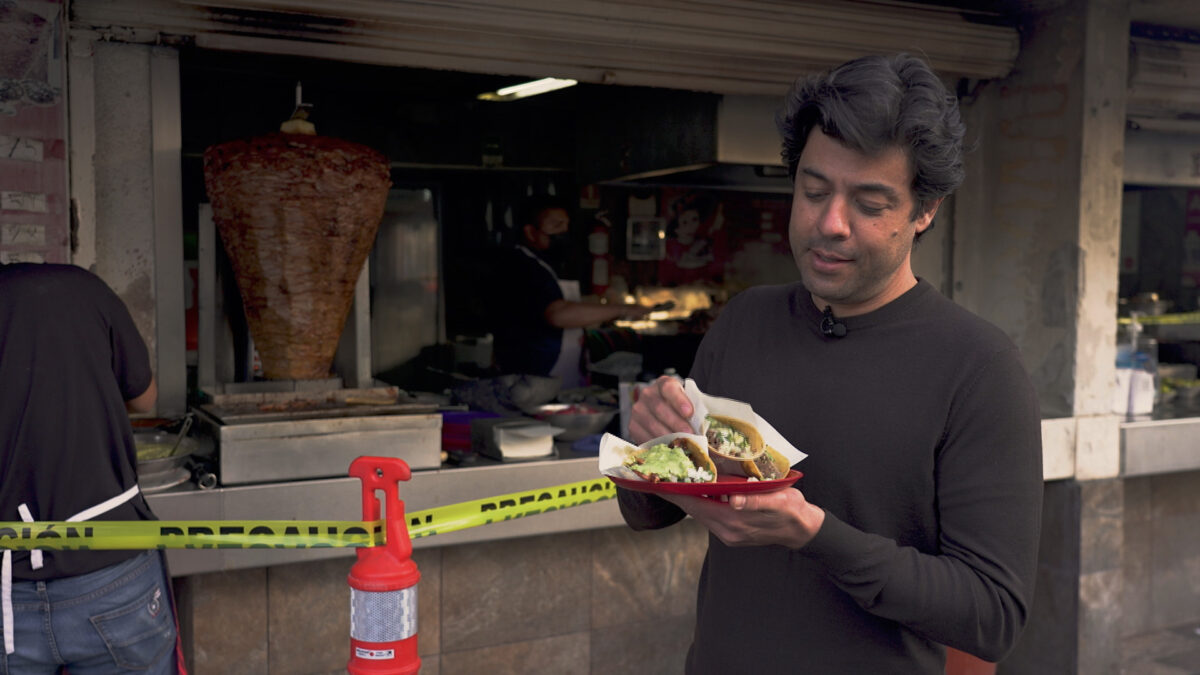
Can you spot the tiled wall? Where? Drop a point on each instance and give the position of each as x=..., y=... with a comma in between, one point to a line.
x=602, y=601
x=1048, y=644
x=1162, y=552
x=1118, y=557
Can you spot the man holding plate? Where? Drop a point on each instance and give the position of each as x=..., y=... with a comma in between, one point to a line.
x=915, y=525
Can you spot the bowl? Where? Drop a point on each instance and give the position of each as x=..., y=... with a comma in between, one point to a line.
x=576, y=419
x=154, y=451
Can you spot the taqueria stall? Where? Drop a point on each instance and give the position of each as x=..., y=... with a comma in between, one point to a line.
x=546, y=589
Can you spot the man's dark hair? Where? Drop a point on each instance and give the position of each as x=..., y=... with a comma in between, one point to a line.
x=529, y=210
x=876, y=102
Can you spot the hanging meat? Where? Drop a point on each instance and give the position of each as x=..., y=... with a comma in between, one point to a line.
x=298, y=215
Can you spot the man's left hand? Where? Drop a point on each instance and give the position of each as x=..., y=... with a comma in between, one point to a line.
x=780, y=517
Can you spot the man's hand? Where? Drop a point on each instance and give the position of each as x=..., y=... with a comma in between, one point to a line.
x=780, y=517
x=661, y=408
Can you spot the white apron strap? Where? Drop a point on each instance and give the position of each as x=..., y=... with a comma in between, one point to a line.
x=570, y=350
x=566, y=366
x=35, y=558
x=6, y=601
x=105, y=506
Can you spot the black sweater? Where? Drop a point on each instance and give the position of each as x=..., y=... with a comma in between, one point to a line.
x=924, y=449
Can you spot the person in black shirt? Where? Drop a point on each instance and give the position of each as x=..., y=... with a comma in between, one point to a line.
x=538, y=330
x=72, y=368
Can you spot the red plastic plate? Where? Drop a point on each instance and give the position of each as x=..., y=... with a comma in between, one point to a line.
x=725, y=485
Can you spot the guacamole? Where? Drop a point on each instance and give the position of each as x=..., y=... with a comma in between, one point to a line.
x=664, y=463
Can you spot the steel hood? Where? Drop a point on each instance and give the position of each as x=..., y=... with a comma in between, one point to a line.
x=739, y=149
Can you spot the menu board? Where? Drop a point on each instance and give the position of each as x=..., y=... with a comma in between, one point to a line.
x=34, y=202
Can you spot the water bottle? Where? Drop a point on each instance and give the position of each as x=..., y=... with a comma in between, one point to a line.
x=1137, y=371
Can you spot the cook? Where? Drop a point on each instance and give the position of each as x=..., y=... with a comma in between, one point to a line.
x=540, y=318
x=74, y=365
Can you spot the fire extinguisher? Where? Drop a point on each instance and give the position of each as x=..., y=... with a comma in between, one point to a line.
x=383, y=582
x=598, y=247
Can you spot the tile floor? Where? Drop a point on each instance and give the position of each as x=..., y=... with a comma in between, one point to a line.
x=1173, y=651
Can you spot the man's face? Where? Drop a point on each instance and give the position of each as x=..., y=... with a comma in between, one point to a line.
x=550, y=223
x=850, y=230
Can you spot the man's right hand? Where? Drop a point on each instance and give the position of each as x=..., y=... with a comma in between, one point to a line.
x=661, y=408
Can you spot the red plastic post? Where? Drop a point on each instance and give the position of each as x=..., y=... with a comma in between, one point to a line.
x=383, y=635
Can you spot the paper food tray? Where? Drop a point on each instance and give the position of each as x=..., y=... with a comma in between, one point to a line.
x=703, y=404
x=613, y=449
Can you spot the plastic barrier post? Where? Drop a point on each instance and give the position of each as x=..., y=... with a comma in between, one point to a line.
x=383, y=582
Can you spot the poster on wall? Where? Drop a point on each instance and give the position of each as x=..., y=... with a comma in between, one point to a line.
x=694, y=246
x=732, y=238
x=34, y=203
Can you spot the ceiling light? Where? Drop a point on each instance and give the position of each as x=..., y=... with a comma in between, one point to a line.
x=526, y=89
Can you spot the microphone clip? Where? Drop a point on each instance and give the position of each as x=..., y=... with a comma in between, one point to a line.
x=831, y=327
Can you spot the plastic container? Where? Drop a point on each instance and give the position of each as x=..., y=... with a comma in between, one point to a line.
x=456, y=428
x=1137, y=372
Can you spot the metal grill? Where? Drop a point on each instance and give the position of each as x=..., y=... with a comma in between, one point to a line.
x=386, y=616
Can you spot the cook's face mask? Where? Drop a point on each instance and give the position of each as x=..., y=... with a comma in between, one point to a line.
x=557, y=248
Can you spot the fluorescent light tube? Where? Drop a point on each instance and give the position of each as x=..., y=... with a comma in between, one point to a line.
x=527, y=89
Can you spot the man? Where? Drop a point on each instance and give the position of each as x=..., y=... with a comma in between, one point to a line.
x=539, y=329
x=916, y=522
x=72, y=366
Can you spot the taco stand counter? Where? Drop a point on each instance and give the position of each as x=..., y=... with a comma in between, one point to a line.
x=341, y=499
x=1148, y=447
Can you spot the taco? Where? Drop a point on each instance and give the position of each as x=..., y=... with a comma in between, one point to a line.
x=680, y=461
x=732, y=438
x=770, y=465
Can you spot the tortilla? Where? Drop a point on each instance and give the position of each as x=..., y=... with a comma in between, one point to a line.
x=706, y=471
x=717, y=449
x=770, y=465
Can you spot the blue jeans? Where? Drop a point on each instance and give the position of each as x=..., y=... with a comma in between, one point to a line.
x=115, y=620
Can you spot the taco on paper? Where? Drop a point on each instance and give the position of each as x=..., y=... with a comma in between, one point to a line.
x=680, y=461
x=770, y=465
x=731, y=438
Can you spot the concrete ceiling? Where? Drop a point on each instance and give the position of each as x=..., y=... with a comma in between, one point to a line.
x=1176, y=13
x=1183, y=14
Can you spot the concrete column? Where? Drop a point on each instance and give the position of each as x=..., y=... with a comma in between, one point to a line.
x=124, y=179
x=1036, y=248
x=1038, y=224
x=81, y=112
x=1105, y=65
x=127, y=184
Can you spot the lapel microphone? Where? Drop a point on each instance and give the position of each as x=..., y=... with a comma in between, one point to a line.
x=830, y=326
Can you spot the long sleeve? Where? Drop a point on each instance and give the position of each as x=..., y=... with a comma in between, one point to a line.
x=922, y=432
x=974, y=592
x=643, y=511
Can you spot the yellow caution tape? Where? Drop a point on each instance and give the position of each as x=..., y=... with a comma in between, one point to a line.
x=197, y=534
x=1163, y=319
x=284, y=534
x=445, y=519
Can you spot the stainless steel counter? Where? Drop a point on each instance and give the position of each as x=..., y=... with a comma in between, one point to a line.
x=1167, y=442
x=341, y=499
